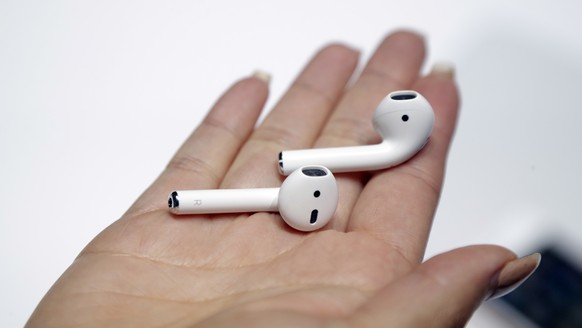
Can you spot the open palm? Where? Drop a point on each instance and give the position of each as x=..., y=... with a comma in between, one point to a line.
x=151, y=268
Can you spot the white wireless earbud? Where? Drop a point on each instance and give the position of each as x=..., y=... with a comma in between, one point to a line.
x=306, y=200
x=404, y=120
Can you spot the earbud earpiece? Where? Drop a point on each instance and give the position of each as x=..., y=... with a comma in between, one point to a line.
x=307, y=199
x=404, y=120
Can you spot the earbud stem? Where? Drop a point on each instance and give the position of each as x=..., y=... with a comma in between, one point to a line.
x=224, y=201
x=403, y=119
x=344, y=159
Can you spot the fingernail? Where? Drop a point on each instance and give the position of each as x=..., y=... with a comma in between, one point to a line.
x=513, y=274
x=262, y=75
x=443, y=69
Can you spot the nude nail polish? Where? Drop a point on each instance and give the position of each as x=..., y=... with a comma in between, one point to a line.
x=262, y=75
x=513, y=274
x=443, y=69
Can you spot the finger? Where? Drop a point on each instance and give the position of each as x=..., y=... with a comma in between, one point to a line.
x=397, y=205
x=446, y=290
x=394, y=65
x=203, y=159
x=296, y=120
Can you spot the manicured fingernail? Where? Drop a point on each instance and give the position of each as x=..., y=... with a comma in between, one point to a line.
x=262, y=75
x=443, y=69
x=513, y=274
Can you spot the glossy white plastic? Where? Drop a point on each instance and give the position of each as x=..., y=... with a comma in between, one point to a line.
x=404, y=119
x=306, y=200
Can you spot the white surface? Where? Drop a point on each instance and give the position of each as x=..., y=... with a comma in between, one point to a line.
x=90, y=93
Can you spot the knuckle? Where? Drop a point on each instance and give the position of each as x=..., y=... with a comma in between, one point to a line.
x=194, y=165
x=347, y=131
x=275, y=135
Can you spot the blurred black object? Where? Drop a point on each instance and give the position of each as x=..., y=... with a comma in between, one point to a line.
x=552, y=296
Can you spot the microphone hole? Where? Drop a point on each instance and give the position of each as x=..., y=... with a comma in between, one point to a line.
x=173, y=200
x=316, y=194
x=405, y=118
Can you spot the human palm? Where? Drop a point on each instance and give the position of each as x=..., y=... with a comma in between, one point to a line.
x=151, y=268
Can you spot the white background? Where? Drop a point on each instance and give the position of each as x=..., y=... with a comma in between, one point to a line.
x=96, y=96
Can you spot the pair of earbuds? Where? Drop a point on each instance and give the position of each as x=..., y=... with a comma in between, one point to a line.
x=308, y=197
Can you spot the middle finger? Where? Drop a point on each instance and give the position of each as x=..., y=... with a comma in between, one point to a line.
x=394, y=66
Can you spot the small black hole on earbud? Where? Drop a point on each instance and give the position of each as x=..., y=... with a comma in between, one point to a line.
x=173, y=200
x=313, y=217
x=316, y=194
x=405, y=118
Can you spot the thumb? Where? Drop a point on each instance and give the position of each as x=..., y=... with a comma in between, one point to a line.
x=446, y=290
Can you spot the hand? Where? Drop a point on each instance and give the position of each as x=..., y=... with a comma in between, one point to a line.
x=151, y=268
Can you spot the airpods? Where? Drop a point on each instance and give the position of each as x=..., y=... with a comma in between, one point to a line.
x=404, y=120
x=307, y=199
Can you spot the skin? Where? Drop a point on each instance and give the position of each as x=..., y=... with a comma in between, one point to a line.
x=364, y=269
